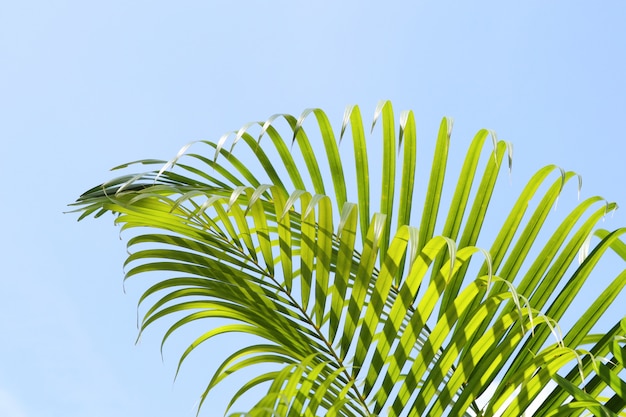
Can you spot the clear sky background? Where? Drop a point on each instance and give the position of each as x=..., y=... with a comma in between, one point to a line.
x=87, y=85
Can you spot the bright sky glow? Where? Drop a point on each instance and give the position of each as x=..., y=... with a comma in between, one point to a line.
x=85, y=86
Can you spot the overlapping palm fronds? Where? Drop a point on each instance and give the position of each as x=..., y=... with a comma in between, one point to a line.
x=360, y=310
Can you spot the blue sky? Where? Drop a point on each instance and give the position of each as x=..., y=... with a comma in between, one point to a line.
x=85, y=86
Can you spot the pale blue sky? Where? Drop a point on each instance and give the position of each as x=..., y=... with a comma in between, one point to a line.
x=87, y=85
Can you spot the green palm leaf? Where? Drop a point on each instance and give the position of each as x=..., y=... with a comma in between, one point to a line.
x=361, y=313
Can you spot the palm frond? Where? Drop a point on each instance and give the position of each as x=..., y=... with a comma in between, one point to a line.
x=360, y=312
